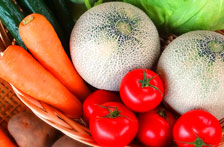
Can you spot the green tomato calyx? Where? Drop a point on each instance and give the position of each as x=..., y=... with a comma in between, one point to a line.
x=162, y=113
x=145, y=82
x=112, y=114
x=197, y=143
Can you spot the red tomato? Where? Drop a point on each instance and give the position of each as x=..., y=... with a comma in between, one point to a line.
x=141, y=90
x=98, y=97
x=113, y=125
x=197, y=128
x=155, y=127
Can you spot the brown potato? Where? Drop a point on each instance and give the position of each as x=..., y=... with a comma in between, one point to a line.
x=66, y=141
x=30, y=131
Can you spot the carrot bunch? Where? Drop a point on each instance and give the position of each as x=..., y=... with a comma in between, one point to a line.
x=53, y=79
x=42, y=41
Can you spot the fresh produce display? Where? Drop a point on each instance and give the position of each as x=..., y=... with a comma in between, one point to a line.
x=115, y=48
x=109, y=40
x=11, y=16
x=30, y=131
x=19, y=68
x=197, y=128
x=141, y=90
x=5, y=141
x=99, y=97
x=51, y=53
x=193, y=74
x=155, y=127
x=112, y=124
x=181, y=16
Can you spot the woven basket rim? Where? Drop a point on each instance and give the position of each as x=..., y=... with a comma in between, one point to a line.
x=66, y=125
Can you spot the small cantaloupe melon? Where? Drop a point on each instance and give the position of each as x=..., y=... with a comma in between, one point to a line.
x=111, y=39
x=192, y=67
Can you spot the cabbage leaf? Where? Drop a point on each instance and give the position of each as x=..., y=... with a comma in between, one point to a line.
x=180, y=16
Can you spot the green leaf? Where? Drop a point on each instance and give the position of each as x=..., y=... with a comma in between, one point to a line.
x=77, y=1
x=180, y=16
x=91, y=3
x=88, y=5
x=98, y=2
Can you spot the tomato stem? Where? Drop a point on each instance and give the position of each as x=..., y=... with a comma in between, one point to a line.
x=198, y=142
x=112, y=114
x=145, y=81
x=161, y=112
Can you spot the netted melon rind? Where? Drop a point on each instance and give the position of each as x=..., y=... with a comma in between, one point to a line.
x=101, y=55
x=194, y=75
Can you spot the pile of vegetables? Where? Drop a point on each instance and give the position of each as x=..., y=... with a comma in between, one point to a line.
x=154, y=126
x=115, y=51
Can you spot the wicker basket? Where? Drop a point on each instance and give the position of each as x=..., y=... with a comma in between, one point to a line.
x=11, y=105
x=71, y=128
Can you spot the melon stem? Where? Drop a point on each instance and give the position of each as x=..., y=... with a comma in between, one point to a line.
x=123, y=27
x=215, y=46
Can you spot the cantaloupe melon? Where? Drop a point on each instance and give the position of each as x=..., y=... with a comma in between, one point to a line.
x=111, y=39
x=192, y=68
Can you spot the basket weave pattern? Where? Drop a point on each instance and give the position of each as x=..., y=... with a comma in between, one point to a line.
x=9, y=103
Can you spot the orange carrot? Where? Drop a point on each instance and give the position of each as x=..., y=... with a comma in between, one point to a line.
x=42, y=41
x=5, y=141
x=19, y=68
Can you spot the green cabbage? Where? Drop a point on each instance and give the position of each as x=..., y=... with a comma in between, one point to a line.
x=180, y=16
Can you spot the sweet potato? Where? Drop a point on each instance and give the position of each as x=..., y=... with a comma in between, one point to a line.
x=30, y=131
x=66, y=141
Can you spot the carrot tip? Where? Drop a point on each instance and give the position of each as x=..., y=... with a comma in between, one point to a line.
x=27, y=20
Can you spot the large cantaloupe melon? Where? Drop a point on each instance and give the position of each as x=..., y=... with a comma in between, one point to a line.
x=192, y=68
x=111, y=39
